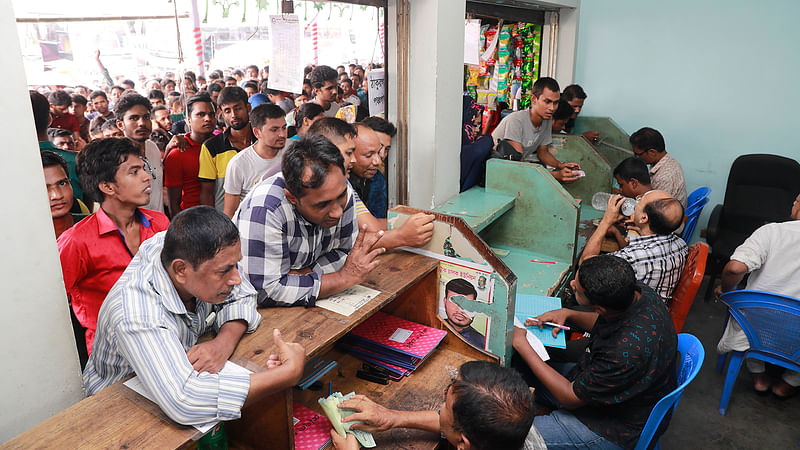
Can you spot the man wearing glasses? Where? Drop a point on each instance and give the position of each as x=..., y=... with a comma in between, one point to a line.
x=96, y=251
x=666, y=173
x=133, y=118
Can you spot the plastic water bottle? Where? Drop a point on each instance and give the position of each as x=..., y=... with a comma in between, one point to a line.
x=600, y=203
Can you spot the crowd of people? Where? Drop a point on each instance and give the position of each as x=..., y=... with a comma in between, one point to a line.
x=225, y=196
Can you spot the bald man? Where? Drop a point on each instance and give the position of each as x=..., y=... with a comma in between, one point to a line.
x=655, y=253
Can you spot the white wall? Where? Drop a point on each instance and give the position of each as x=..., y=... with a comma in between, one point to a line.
x=718, y=78
x=40, y=374
x=436, y=64
x=568, y=25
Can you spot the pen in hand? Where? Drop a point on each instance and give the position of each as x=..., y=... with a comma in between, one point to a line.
x=552, y=324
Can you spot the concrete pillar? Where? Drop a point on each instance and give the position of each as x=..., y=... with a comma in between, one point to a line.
x=435, y=73
x=41, y=373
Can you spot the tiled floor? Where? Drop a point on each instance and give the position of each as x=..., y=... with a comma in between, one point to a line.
x=751, y=422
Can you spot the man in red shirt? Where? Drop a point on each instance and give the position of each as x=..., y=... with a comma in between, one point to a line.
x=60, y=102
x=182, y=163
x=78, y=109
x=96, y=251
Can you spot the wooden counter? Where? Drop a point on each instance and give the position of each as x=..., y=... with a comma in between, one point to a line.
x=117, y=417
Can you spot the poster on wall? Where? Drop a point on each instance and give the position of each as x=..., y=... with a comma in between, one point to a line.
x=286, y=68
x=377, y=91
x=474, y=284
x=472, y=41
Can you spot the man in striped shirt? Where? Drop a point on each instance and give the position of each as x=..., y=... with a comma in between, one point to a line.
x=181, y=284
x=656, y=254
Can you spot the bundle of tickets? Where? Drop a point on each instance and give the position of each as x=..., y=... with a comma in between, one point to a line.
x=330, y=405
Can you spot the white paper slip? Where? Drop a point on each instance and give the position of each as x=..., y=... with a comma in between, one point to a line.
x=536, y=344
x=349, y=300
x=229, y=368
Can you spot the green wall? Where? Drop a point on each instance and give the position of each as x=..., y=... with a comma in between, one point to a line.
x=717, y=78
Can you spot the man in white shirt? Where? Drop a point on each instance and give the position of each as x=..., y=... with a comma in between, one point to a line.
x=133, y=118
x=770, y=256
x=348, y=94
x=246, y=169
x=323, y=82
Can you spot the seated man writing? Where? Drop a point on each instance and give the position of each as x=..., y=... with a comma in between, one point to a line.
x=605, y=399
x=487, y=407
x=656, y=255
x=151, y=319
x=770, y=256
x=299, y=230
x=529, y=131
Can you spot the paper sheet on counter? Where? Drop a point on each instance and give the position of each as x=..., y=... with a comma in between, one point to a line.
x=536, y=344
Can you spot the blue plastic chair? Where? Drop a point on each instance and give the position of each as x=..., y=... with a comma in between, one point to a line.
x=692, y=356
x=696, y=202
x=771, y=323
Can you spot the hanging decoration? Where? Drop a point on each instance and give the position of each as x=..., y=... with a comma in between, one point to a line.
x=226, y=6
x=315, y=41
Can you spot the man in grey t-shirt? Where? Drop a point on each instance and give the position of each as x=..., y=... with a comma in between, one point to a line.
x=529, y=131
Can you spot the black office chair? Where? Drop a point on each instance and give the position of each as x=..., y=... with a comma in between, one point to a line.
x=760, y=190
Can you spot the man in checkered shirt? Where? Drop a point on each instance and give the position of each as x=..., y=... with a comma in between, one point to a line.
x=300, y=237
x=656, y=254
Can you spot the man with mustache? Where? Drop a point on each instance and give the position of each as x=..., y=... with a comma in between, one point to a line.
x=217, y=153
x=415, y=232
x=367, y=162
x=182, y=165
x=248, y=166
x=133, y=118
x=148, y=324
x=300, y=235
x=96, y=250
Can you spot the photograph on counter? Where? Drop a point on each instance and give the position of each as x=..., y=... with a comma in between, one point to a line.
x=473, y=284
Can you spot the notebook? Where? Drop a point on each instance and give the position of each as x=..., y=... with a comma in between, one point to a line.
x=312, y=431
x=535, y=305
x=403, y=336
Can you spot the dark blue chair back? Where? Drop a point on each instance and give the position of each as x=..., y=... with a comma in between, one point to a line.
x=692, y=356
